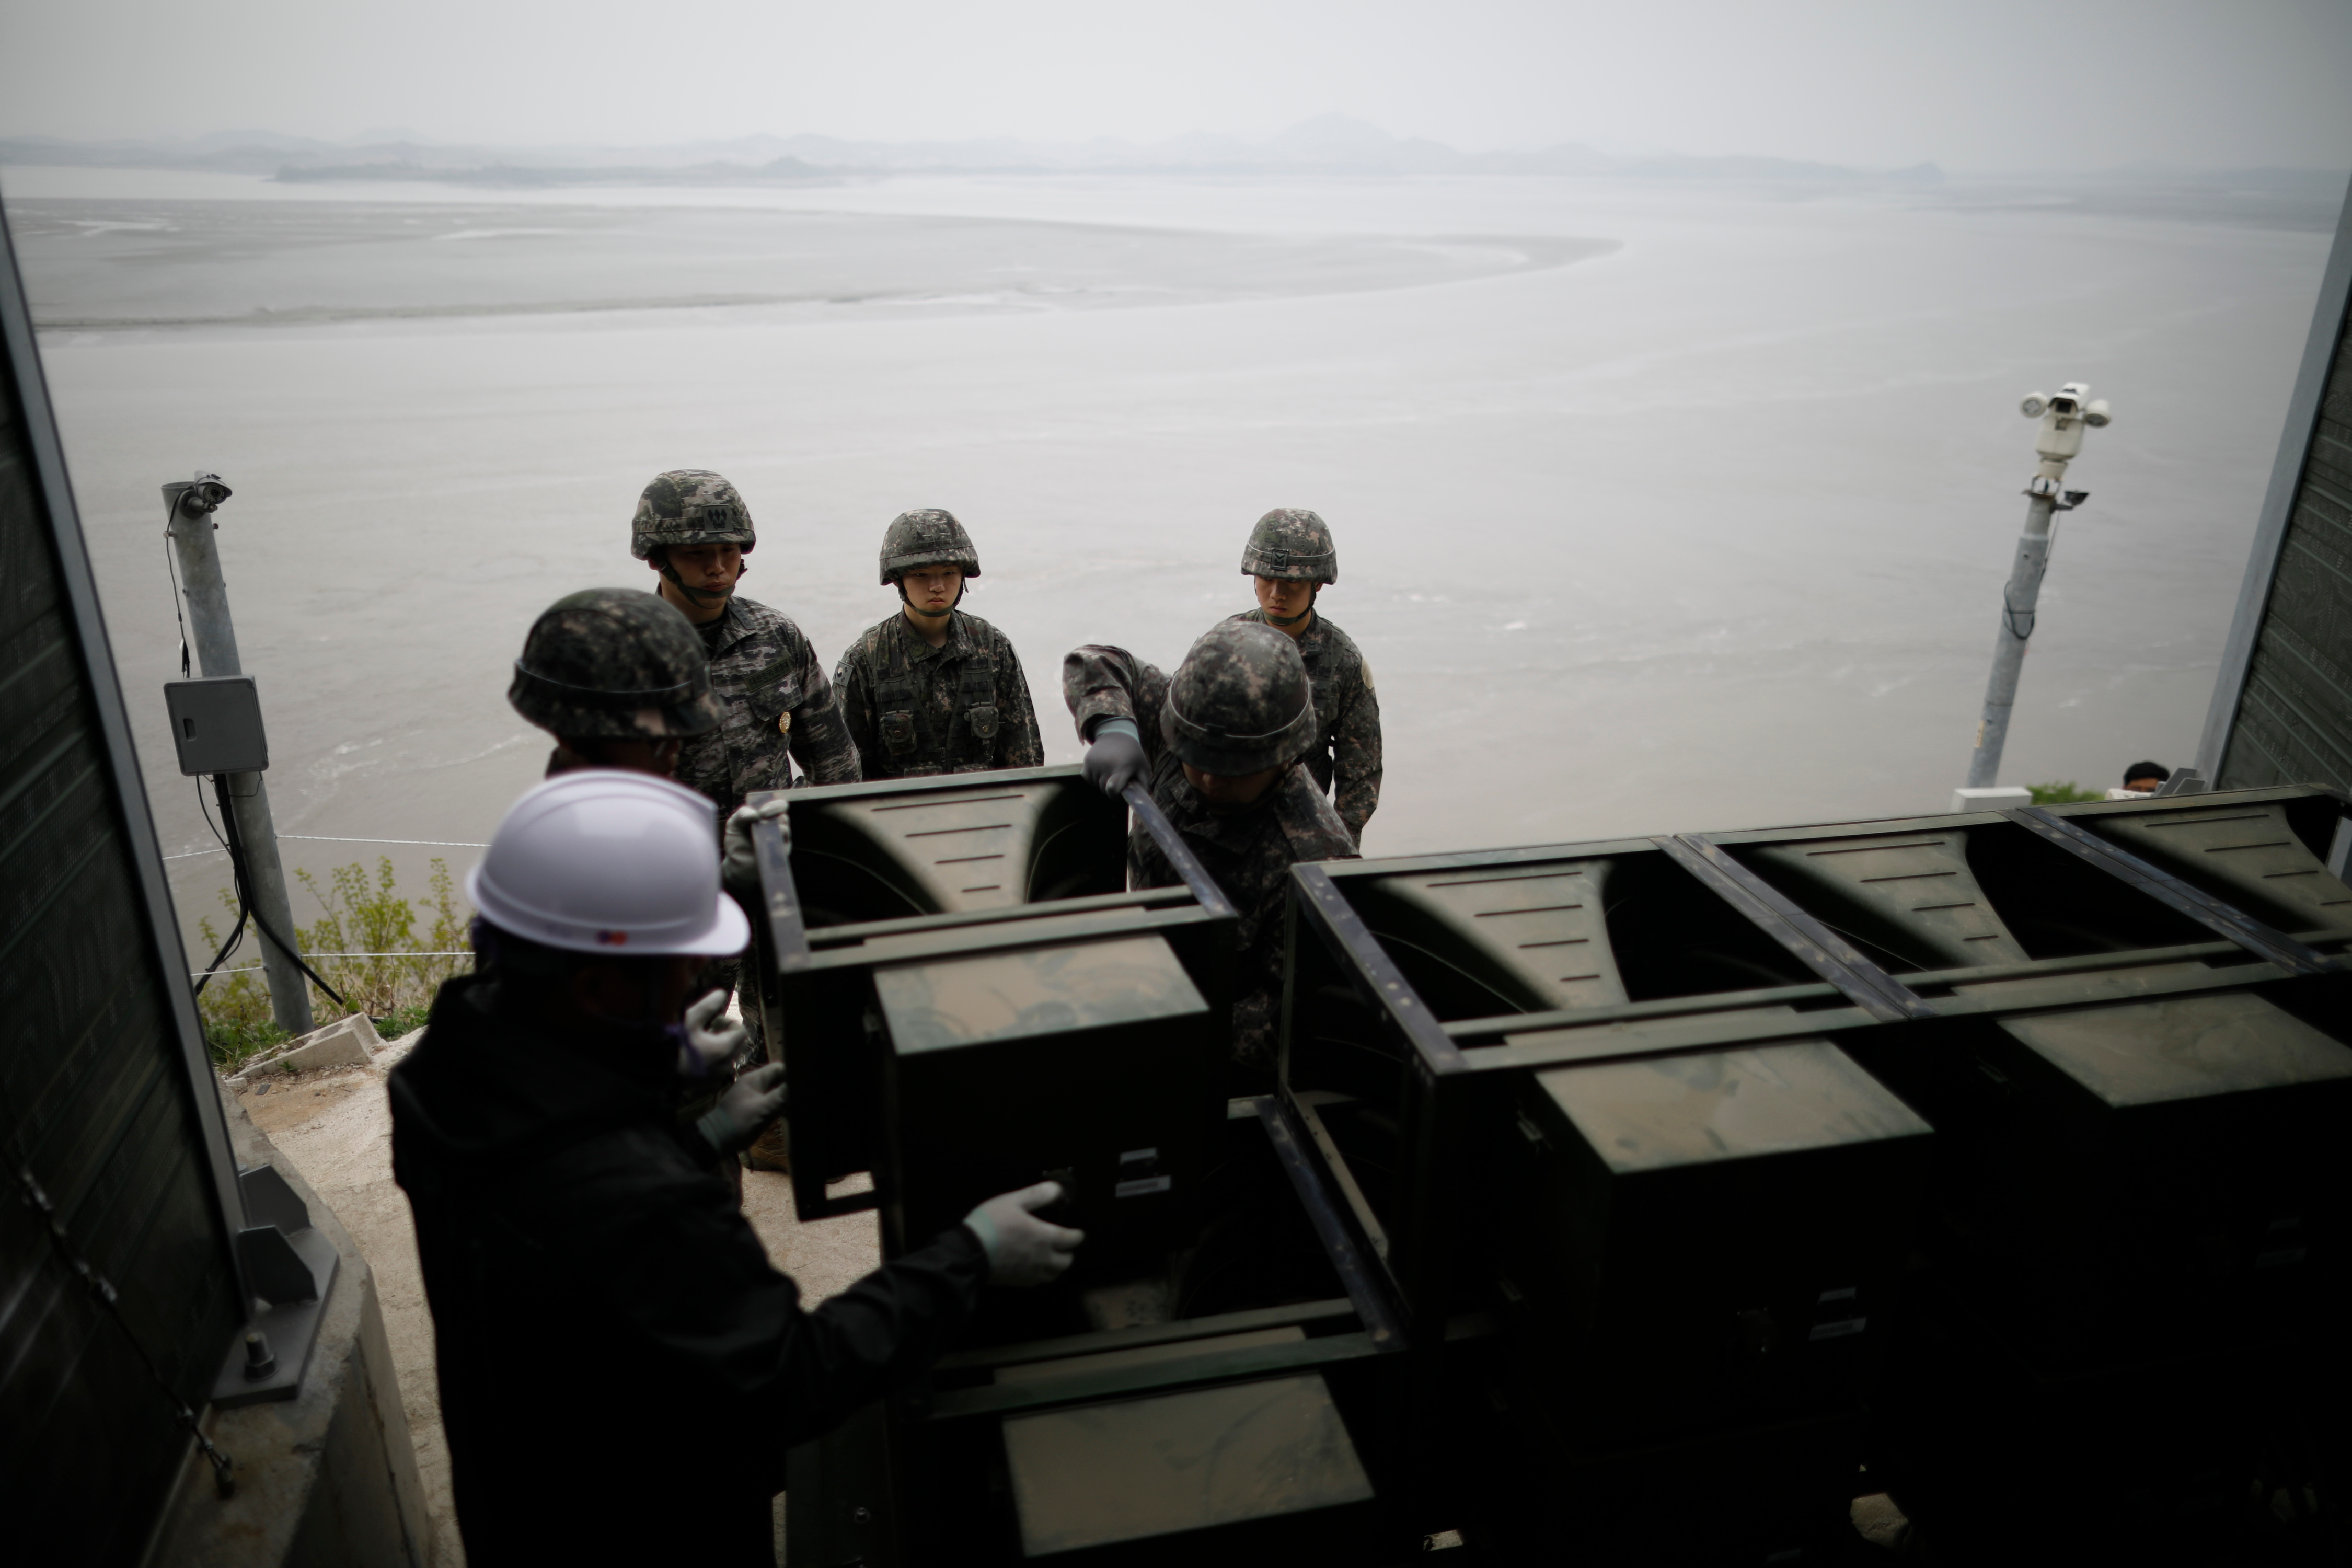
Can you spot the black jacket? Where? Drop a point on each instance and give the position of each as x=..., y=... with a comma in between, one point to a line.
x=621, y=1370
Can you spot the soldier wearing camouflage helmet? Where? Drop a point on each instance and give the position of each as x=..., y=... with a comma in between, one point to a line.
x=1220, y=746
x=935, y=689
x=1291, y=559
x=693, y=528
x=618, y=678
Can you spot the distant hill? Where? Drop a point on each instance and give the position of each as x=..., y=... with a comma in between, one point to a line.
x=1329, y=145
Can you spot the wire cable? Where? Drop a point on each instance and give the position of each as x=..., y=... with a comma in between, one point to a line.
x=242, y=871
x=235, y=932
x=172, y=570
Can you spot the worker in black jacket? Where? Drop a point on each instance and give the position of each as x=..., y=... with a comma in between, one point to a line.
x=621, y=1370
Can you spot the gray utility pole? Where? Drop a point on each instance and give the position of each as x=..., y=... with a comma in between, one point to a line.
x=2056, y=443
x=191, y=532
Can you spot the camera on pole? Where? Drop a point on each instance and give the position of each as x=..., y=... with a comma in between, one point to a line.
x=2058, y=442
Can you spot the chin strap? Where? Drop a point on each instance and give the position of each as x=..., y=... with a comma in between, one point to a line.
x=961, y=589
x=1274, y=620
x=702, y=597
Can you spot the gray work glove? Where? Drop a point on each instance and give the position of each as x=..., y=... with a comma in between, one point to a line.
x=1022, y=1249
x=757, y=1099
x=739, y=863
x=1116, y=759
x=712, y=1039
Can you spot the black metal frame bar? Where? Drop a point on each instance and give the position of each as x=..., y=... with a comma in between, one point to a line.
x=1170, y=843
x=1819, y=949
x=1365, y=1290
x=2202, y=907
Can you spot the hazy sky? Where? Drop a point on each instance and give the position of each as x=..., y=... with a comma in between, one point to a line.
x=1973, y=84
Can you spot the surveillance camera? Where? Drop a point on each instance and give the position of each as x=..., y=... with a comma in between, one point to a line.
x=2094, y=414
x=2034, y=404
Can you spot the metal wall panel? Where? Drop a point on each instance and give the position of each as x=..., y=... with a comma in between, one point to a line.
x=2282, y=710
x=105, y=1096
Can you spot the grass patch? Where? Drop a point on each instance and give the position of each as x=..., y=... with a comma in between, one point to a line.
x=235, y=1043
x=401, y=1020
x=2064, y=791
x=357, y=914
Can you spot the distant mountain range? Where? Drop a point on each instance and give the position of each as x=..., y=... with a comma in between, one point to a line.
x=1329, y=145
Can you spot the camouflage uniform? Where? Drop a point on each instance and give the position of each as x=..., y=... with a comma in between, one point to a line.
x=912, y=708
x=777, y=697
x=1293, y=545
x=1346, y=750
x=762, y=670
x=1247, y=852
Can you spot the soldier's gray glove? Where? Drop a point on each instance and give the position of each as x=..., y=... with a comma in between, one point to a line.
x=738, y=862
x=757, y=1099
x=1116, y=759
x=1022, y=1249
x=712, y=1039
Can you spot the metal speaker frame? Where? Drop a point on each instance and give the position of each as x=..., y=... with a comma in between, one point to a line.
x=847, y=899
x=1391, y=1021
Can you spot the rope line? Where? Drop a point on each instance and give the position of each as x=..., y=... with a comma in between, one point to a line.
x=331, y=838
x=255, y=968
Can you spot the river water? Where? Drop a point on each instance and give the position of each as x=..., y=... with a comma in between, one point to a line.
x=1659, y=507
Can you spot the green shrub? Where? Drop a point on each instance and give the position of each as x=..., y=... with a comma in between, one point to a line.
x=2063, y=793
x=358, y=915
x=401, y=1020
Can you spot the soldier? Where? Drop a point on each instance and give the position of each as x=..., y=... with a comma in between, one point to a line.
x=1219, y=746
x=935, y=689
x=695, y=531
x=618, y=678
x=1291, y=557
x=532, y=1131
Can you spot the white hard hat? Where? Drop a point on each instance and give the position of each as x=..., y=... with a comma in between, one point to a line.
x=599, y=861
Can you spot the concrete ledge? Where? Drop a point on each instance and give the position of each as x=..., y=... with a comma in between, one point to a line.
x=325, y=1479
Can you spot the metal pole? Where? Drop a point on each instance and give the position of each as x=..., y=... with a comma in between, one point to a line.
x=2017, y=601
x=2064, y=419
x=215, y=636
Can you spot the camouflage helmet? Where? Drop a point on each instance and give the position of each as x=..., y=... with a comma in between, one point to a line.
x=1293, y=544
x=614, y=662
x=930, y=537
x=689, y=506
x=1240, y=702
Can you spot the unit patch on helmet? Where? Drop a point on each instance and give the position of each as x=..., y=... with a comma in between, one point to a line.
x=689, y=506
x=928, y=537
x=1291, y=543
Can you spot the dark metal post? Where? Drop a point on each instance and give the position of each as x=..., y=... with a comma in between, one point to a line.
x=191, y=529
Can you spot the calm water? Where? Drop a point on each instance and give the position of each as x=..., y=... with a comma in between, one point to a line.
x=1659, y=509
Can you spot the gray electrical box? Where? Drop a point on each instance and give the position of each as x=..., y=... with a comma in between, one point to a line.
x=217, y=725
